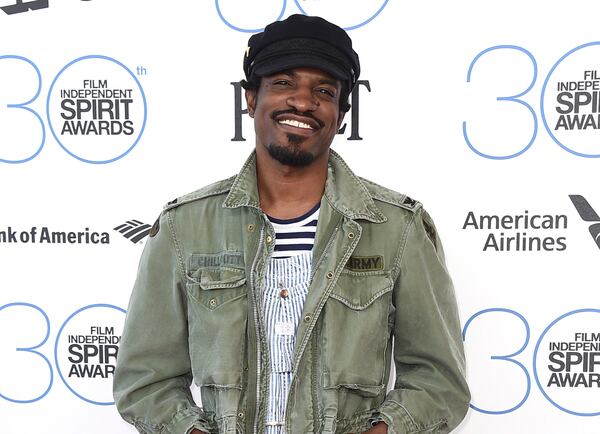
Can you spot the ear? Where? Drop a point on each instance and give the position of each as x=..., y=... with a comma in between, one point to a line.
x=340, y=119
x=251, y=101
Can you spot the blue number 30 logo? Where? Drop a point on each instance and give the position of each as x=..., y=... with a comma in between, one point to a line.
x=361, y=15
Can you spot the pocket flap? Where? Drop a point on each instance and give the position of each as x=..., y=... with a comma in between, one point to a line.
x=213, y=287
x=358, y=292
x=217, y=278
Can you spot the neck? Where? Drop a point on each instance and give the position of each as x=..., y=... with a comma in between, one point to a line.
x=286, y=192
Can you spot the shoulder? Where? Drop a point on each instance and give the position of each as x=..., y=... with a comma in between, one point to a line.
x=421, y=221
x=391, y=197
x=215, y=189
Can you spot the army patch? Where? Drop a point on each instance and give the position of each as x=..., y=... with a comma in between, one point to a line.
x=155, y=228
x=365, y=263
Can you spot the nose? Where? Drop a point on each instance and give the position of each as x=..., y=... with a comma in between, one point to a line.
x=303, y=99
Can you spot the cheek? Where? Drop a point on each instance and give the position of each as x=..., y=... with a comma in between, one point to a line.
x=336, y=122
x=263, y=126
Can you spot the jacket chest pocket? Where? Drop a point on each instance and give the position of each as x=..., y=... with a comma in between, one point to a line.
x=356, y=333
x=217, y=308
x=214, y=287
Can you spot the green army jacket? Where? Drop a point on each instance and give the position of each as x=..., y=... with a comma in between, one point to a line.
x=380, y=291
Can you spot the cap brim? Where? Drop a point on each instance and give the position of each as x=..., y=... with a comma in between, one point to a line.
x=300, y=60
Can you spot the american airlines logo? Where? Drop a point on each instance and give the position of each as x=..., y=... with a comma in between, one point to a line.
x=133, y=230
x=588, y=214
x=20, y=6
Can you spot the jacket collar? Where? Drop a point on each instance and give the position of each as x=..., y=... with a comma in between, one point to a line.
x=343, y=190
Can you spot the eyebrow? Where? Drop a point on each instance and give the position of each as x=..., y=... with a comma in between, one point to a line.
x=331, y=81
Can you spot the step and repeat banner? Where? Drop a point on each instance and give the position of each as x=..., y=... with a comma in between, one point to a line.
x=487, y=112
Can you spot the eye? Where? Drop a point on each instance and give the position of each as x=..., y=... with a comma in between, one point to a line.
x=326, y=91
x=281, y=82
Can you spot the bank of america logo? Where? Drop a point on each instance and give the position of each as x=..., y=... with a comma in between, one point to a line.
x=588, y=214
x=133, y=230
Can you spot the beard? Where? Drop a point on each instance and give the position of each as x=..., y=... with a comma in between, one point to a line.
x=292, y=154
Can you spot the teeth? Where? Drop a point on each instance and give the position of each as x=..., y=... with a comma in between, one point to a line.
x=296, y=124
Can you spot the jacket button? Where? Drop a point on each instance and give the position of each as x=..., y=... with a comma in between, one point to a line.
x=212, y=302
x=269, y=239
x=329, y=275
x=251, y=227
x=241, y=414
x=284, y=293
x=351, y=235
x=307, y=318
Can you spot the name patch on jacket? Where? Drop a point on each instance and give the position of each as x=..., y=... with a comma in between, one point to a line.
x=231, y=258
x=365, y=263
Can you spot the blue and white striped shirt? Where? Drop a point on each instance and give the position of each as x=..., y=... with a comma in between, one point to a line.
x=286, y=285
x=297, y=235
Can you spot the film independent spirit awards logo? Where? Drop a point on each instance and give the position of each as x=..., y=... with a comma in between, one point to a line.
x=96, y=109
x=86, y=351
x=571, y=101
x=567, y=362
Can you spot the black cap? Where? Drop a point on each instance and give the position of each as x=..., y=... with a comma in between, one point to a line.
x=302, y=41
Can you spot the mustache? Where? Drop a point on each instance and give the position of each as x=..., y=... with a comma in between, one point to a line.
x=277, y=113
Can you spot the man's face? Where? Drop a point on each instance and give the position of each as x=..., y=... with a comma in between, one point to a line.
x=296, y=114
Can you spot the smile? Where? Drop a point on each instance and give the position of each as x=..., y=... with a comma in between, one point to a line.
x=295, y=123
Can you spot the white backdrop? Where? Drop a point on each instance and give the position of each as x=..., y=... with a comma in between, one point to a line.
x=487, y=112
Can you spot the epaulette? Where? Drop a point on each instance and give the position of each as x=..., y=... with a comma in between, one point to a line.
x=392, y=197
x=214, y=189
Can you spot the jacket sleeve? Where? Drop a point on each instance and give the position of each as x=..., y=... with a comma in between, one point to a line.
x=153, y=375
x=430, y=393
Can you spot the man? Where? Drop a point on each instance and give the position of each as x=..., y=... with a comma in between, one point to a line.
x=285, y=292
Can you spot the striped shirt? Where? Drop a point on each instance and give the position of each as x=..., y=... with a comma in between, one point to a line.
x=286, y=284
x=295, y=236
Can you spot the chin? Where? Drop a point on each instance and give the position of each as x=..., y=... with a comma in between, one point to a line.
x=290, y=155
